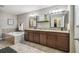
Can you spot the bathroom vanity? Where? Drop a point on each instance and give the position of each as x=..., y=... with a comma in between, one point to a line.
x=51, y=38
x=49, y=29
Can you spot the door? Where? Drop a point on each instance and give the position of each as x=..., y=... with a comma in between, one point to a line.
x=76, y=28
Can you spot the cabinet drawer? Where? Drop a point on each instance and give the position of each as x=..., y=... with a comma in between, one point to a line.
x=51, y=33
x=63, y=34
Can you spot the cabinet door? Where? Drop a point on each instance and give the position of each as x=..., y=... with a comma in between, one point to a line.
x=51, y=39
x=36, y=37
x=43, y=38
x=62, y=42
x=30, y=35
x=26, y=36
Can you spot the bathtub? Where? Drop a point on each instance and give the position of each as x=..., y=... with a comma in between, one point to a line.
x=19, y=36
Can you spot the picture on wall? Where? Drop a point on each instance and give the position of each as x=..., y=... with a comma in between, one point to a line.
x=10, y=21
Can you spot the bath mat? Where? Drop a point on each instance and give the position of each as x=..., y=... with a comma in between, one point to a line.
x=7, y=50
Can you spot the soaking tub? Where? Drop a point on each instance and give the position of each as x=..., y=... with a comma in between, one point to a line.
x=18, y=36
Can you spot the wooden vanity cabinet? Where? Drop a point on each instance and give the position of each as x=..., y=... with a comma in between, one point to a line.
x=51, y=39
x=43, y=38
x=36, y=37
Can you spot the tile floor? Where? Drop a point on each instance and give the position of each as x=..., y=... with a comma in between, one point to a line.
x=29, y=47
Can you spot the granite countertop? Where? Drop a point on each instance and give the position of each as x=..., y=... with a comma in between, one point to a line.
x=48, y=30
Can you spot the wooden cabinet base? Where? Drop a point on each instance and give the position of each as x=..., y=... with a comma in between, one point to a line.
x=51, y=39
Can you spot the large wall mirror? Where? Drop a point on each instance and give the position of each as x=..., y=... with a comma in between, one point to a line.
x=49, y=21
x=32, y=21
x=57, y=21
x=44, y=17
x=43, y=21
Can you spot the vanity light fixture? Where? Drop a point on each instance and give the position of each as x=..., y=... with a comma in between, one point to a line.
x=57, y=11
x=32, y=15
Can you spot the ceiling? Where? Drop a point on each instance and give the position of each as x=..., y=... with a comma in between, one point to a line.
x=19, y=9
